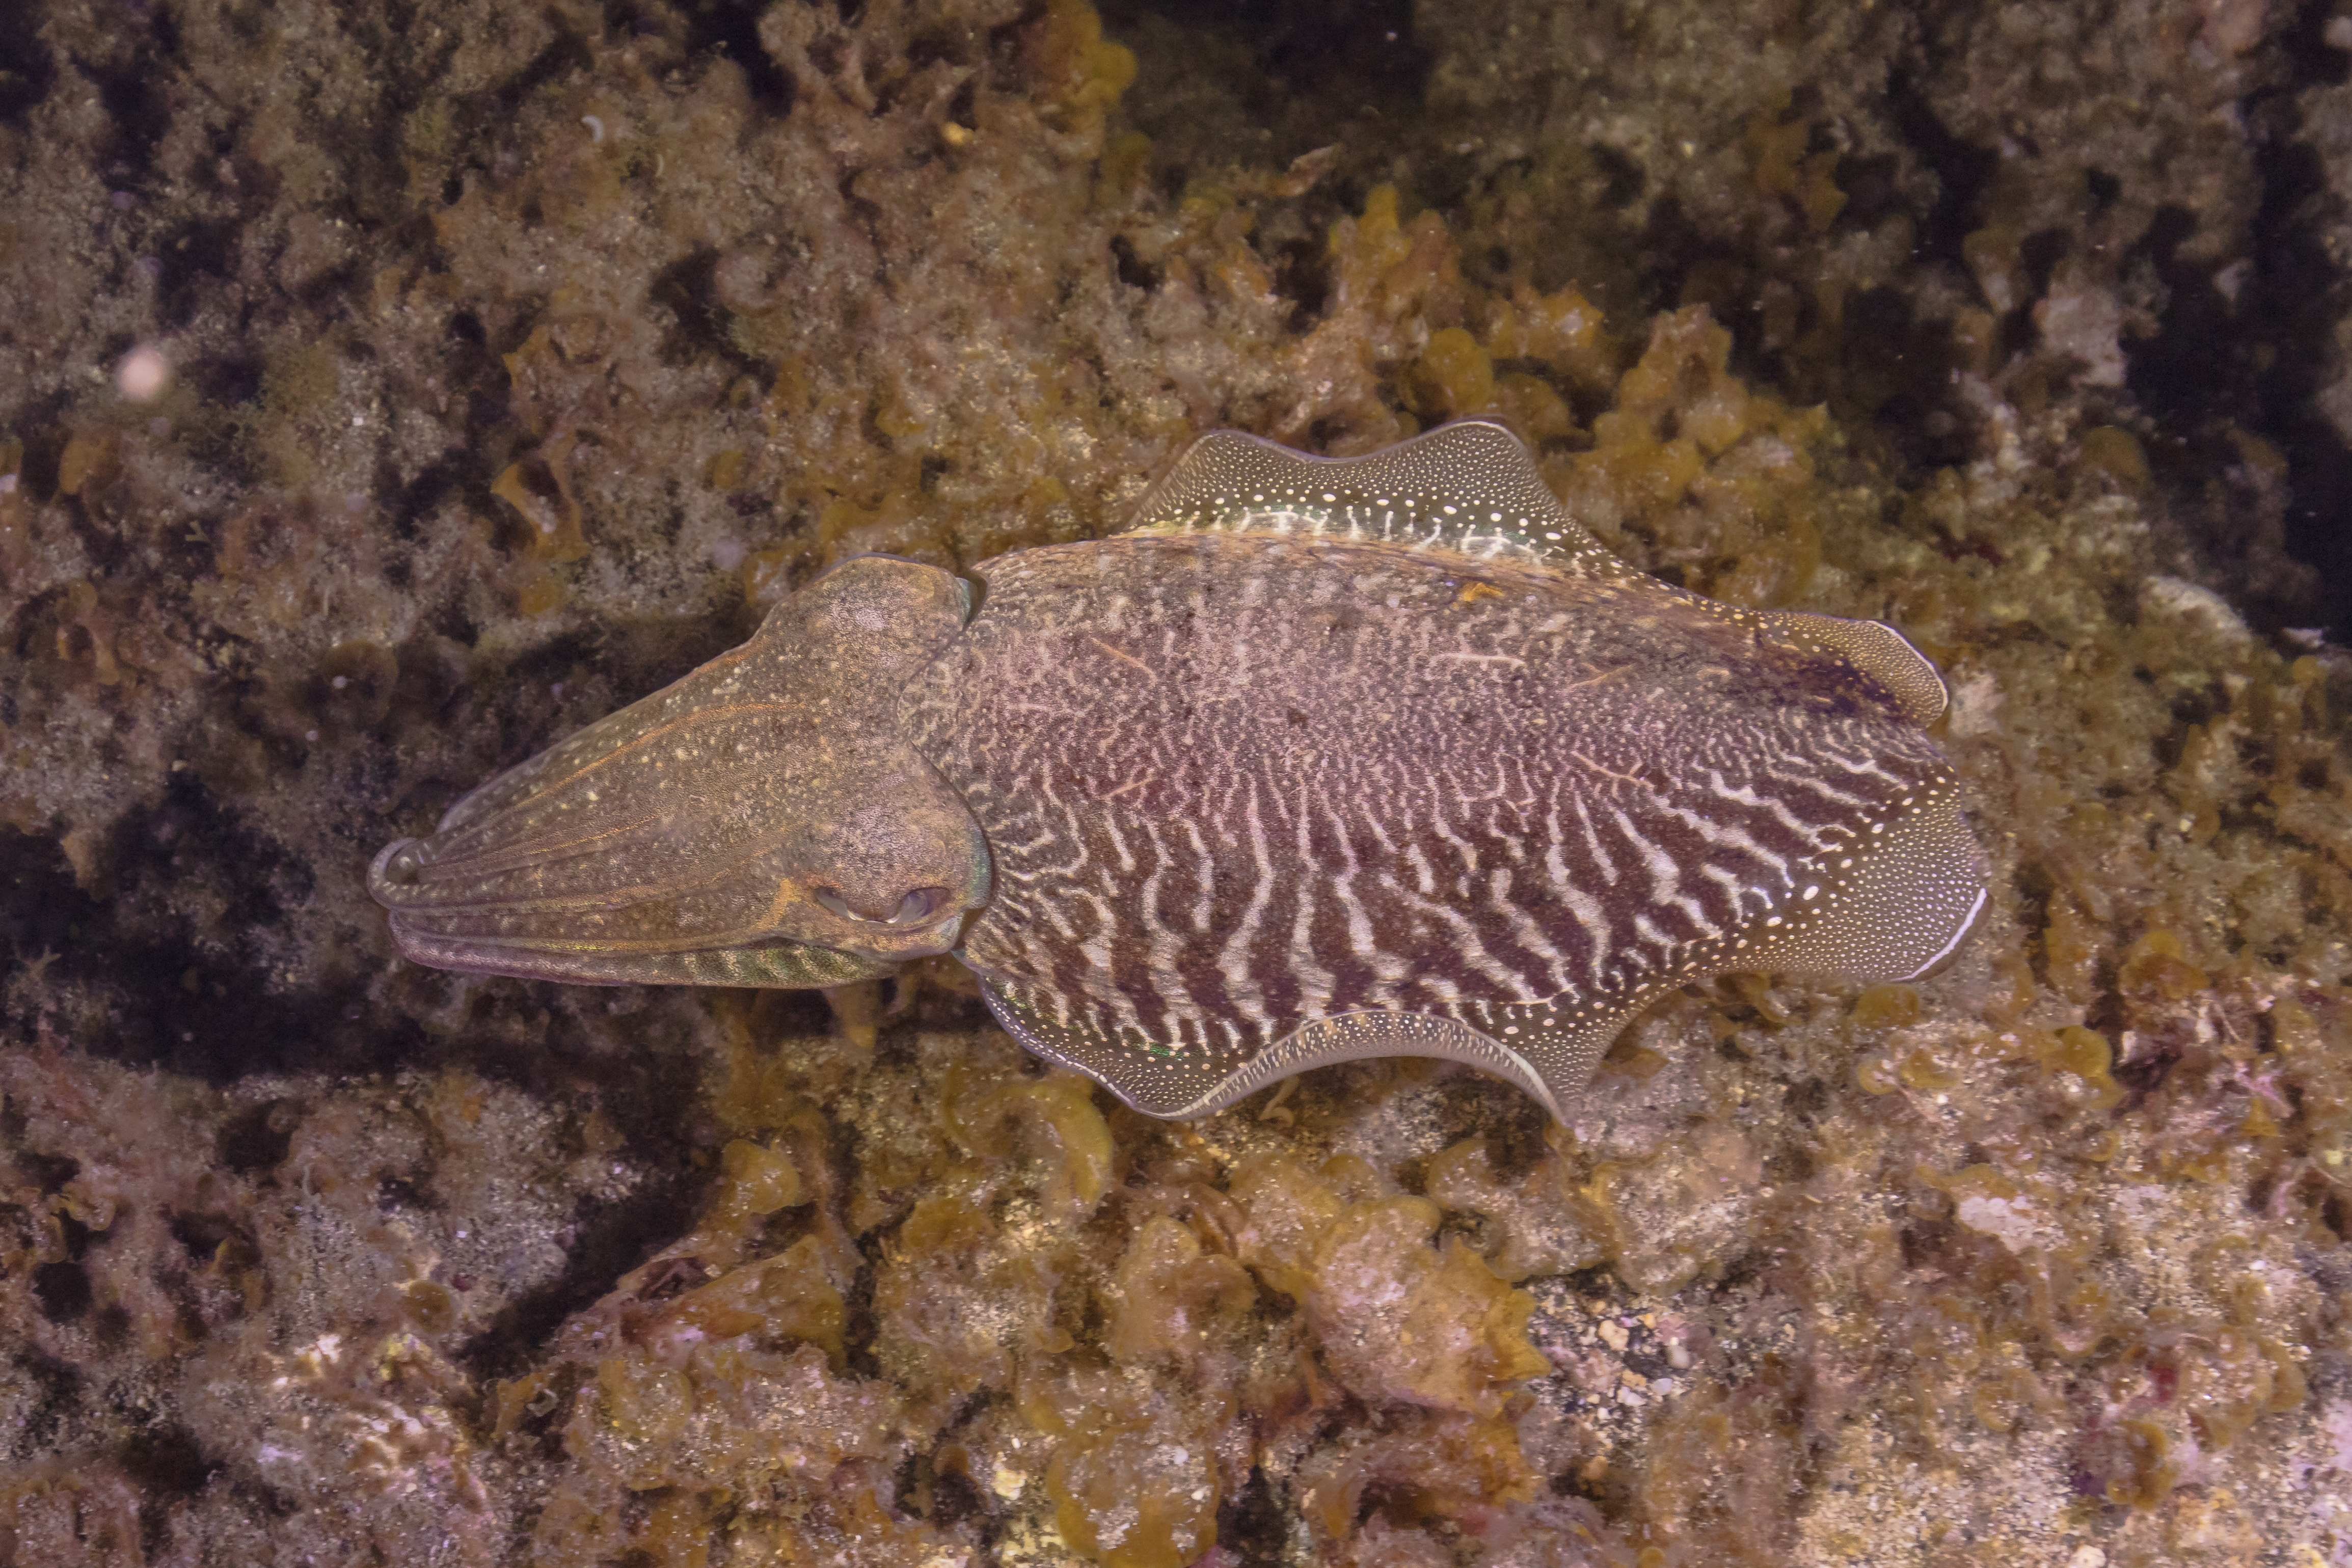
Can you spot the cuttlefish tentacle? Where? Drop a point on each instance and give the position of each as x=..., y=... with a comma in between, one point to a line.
x=1322, y=759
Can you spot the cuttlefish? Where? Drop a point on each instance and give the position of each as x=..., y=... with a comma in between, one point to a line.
x=1320, y=759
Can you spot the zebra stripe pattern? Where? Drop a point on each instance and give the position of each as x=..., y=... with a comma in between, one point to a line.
x=1262, y=795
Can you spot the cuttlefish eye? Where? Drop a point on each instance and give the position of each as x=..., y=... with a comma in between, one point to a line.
x=919, y=907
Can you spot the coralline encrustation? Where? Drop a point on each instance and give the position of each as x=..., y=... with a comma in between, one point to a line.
x=478, y=422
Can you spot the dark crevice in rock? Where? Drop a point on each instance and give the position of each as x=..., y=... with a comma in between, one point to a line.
x=27, y=70
x=732, y=29
x=135, y=89
x=1251, y=1522
x=61, y=1290
x=1962, y=170
x=2298, y=293
x=205, y=1004
x=609, y=1240
x=255, y=1140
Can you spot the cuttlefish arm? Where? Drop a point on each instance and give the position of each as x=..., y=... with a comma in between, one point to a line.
x=761, y=822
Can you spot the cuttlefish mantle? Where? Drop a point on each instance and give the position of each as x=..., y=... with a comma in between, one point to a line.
x=1319, y=760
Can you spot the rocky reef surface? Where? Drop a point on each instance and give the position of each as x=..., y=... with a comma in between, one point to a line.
x=386, y=389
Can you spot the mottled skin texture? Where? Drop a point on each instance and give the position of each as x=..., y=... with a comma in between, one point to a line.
x=761, y=822
x=1321, y=760
x=1233, y=785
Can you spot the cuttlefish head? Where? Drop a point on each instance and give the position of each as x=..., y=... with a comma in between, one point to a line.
x=758, y=823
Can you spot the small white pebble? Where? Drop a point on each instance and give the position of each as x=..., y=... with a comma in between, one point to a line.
x=144, y=373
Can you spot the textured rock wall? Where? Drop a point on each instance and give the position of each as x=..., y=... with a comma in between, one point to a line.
x=385, y=389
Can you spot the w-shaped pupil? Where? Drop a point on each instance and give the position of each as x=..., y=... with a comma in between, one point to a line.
x=918, y=907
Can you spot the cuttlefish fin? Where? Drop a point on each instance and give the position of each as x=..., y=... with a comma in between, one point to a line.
x=1469, y=487
x=1885, y=656
x=1550, y=1050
